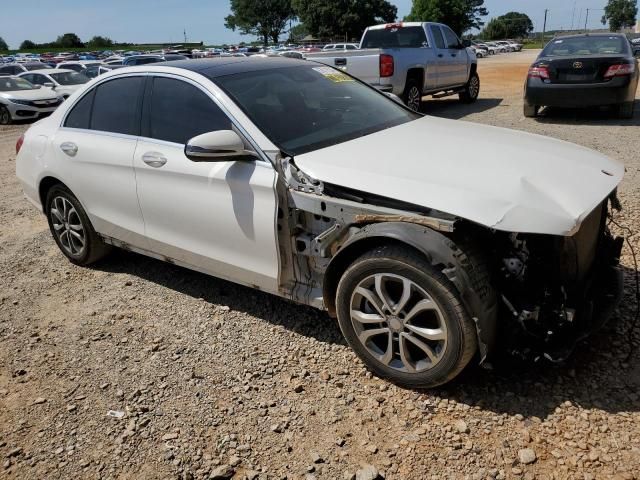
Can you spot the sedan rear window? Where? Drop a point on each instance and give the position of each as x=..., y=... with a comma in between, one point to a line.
x=309, y=107
x=587, y=45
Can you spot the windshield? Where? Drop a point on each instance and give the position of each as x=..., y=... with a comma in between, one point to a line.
x=309, y=107
x=396, y=37
x=8, y=84
x=587, y=45
x=69, y=78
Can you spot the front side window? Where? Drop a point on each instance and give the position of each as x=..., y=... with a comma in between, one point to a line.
x=116, y=106
x=451, y=38
x=179, y=111
x=38, y=79
x=308, y=107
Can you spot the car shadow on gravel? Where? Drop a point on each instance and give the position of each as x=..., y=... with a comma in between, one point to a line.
x=605, y=116
x=303, y=320
x=597, y=375
x=453, y=109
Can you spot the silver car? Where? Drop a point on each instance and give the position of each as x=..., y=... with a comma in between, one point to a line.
x=21, y=100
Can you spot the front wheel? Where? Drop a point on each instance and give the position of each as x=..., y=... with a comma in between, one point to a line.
x=71, y=228
x=471, y=89
x=5, y=116
x=404, y=318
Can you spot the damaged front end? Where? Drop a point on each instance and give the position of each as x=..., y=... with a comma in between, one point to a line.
x=556, y=290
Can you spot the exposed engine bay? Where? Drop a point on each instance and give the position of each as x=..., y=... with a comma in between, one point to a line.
x=538, y=294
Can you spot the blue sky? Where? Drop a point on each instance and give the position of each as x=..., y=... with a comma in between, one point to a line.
x=148, y=21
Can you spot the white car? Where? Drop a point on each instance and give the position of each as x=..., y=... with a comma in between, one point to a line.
x=77, y=65
x=64, y=82
x=295, y=179
x=340, y=46
x=20, y=100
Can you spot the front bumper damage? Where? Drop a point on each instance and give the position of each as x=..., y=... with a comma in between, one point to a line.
x=555, y=291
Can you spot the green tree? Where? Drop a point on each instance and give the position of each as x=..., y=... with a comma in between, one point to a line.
x=517, y=25
x=343, y=18
x=620, y=14
x=3, y=45
x=460, y=15
x=495, y=30
x=100, y=42
x=266, y=19
x=298, y=32
x=28, y=45
x=69, y=40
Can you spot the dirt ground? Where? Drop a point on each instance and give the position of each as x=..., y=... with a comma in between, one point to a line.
x=214, y=380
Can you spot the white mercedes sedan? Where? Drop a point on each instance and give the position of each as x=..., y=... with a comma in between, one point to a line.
x=428, y=239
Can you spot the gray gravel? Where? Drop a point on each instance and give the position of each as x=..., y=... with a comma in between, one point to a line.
x=206, y=379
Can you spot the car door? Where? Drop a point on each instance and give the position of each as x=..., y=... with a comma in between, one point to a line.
x=216, y=217
x=457, y=57
x=440, y=73
x=95, y=147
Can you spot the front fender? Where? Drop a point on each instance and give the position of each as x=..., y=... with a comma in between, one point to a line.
x=443, y=253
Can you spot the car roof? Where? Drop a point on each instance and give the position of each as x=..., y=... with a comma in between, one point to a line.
x=604, y=34
x=223, y=66
x=50, y=71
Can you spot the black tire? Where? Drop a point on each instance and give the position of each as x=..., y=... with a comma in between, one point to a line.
x=412, y=95
x=93, y=248
x=394, y=261
x=530, y=111
x=625, y=110
x=5, y=116
x=471, y=89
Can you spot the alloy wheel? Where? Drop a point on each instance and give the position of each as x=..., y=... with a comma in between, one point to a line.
x=413, y=99
x=5, y=116
x=398, y=323
x=67, y=226
x=474, y=87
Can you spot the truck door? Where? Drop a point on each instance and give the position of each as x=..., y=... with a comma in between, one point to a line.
x=441, y=64
x=456, y=54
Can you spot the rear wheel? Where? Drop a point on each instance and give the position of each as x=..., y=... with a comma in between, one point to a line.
x=531, y=111
x=71, y=228
x=625, y=110
x=404, y=318
x=471, y=89
x=5, y=116
x=412, y=96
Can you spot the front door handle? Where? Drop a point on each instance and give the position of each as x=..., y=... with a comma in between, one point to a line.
x=69, y=148
x=154, y=159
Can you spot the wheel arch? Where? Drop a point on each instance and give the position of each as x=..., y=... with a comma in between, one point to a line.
x=46, y=184
x=416, y=73
x=439, y=250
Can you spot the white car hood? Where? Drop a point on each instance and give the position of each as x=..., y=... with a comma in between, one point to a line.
x=499, y=178
x=36, y=94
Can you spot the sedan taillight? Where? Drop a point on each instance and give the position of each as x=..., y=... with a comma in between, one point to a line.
x=539, y=72
x=620, y=70
x=19, y=144
x=386, y=65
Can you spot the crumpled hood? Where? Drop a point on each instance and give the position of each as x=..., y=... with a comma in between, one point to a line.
x=36, y=94
x=499, y=178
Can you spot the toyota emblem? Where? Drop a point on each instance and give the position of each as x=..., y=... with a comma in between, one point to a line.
x=577, y=64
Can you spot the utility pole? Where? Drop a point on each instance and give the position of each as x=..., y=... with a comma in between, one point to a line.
x=586, y=19
x=544, y=27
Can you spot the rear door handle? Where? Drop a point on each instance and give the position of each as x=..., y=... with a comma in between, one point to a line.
x=154, y=159
x=69, y=148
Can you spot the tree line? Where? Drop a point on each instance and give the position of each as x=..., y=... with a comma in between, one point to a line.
x=66, y=40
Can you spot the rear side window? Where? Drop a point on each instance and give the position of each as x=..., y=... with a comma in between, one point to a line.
x=179, y=111
x=395, y=37
x=451, y=38
x=116, y=106
x=437, y=36
x=80, y=114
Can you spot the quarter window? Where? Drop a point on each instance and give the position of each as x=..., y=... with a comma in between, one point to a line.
x=116, y=106
x=80, y=115
x=179, y=111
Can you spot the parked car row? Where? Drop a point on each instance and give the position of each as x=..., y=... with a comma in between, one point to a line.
x=485, y=49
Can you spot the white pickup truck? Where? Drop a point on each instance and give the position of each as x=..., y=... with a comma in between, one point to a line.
x=411, y=60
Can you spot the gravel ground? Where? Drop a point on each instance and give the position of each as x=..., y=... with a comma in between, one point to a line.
x=207, y=379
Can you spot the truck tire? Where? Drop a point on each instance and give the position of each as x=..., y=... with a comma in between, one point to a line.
x=412, y=96
x=404, y=318
x=471, y=89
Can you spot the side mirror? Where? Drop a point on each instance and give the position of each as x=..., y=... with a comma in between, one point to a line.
x=49, y=84
x=37, y=86
x=220, y=146
x=466, y=43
